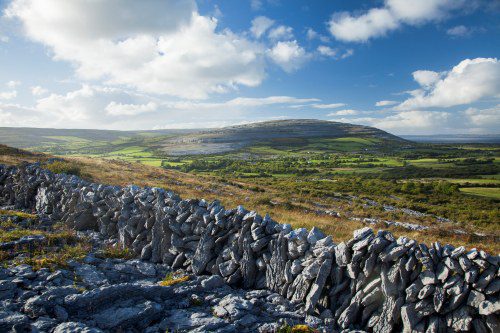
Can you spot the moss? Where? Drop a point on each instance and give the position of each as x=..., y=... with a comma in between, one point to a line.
x=170, y=280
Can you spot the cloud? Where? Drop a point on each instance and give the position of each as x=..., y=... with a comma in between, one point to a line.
x=463, y=31
x=38, y=91
x=4, y=39
x=327, y=51
x=407, y=122
x=385, y=103
x=246, y=101
x=160, y=47
x=377, y=22
x=413, y=120
x=8, y=94
x=469, y=81
x=281, y=32
x=119, y=109
x=288, y=55
x=260, y=25
x=347, y=54
x=489, y=118
x=328, y=106
x=311, y=34
x=115, y=108
x=459, y=30
x=13, y=84
x=426, y=78
x=256, y=4
x=347, y=112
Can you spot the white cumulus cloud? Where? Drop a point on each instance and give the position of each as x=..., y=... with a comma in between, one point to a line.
x=484, y=117
x=469, y=81
x=288, y=55
x=377, y=22
x=161, y=47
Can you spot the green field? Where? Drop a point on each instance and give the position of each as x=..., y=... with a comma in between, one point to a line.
x=479, y=181
x=489, y=192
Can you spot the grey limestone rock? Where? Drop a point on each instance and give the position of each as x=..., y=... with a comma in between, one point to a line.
x=75, y=327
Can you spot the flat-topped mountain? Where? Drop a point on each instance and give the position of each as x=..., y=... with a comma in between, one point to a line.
x=292, y=131
x=286, y=134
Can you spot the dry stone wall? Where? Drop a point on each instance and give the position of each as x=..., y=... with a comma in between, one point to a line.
x=373, y=282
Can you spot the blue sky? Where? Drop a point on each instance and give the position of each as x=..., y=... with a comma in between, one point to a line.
x=407, y=67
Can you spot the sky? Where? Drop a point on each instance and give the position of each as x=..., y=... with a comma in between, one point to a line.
x=404, y=66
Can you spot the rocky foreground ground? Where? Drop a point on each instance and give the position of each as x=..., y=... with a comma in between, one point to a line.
x=99, y=294
x=110, y=295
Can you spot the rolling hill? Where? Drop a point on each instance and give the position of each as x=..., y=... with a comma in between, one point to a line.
x=280, y=133
x=79, y=141
x=308, y=134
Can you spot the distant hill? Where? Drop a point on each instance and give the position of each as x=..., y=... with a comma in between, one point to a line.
x=292, y=132
x=307, y=134
x=26, y=137
x=455, y=138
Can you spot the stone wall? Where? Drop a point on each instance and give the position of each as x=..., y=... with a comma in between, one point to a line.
x=372, y=282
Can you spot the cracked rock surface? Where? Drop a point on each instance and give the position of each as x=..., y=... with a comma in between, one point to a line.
x=128, y=297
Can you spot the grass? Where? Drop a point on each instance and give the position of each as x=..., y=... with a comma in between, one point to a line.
x=479, y=181
x=116, y=252
x=170, y=280
x=489, y=192
x=59, y=246
x=67, y=167
x=58, y=259
x=296, y=329
x=18, y=213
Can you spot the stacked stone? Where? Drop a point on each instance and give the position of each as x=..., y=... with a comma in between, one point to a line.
x=372, y=282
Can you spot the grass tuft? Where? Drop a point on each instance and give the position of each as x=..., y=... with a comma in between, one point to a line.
x=116, y=252
x=295, y=329
x=57, y=260
x=170, y=280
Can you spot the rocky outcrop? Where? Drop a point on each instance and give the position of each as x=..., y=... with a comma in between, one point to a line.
x=372, y=282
